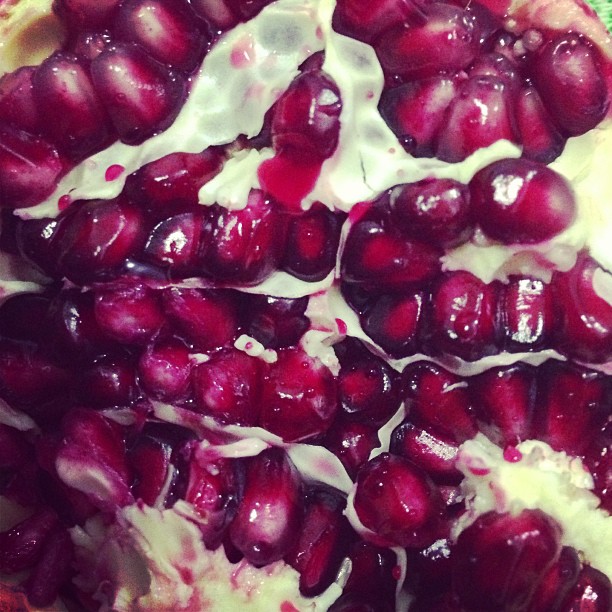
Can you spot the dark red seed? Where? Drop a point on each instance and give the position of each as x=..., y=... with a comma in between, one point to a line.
x=592, y=592
x=520, y=201
x=86, y=13
x=527, y=314
x=149, y=461
x=29, y=168
x=438, y=399
x=368, y=389
x=448, y=40
x=269, y=513
x=52, y=571
x=306, y=119
x=170, y=185
x=430, y=572
x=299, y=397
x=207, y=318
x=87, y=45
x=109, y=381
x=583, y=302
x=567, y=73
x=432, y=452
x=312, y=244
x=500, y=559
x=557, y=582
x=167, y=31
x=175, y=244
x=542, y=141
x=17, y=105
x=245, y=245
x=164, y=370
x=277, y=322
x=227, y=386
x=14, y=448
x=21, y=546
x=480, y=115
x=72, y=115
x=598, y=460
x=352, y=442
x=130, y=314
x=572, y=405
x=212, y=490
x=142, y=97
x=366, y=21
x=415, y=111
x=504, y=401
x=397, y=501
x=462, y=317
x=322, y=542
x=384, y=260
x=22, y=317
x=96, y=238
x=36, y=243
x=435, y=209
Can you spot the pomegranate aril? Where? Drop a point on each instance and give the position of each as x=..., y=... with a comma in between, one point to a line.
x=14, y=448
x=213, y=491
x=306, y=118
x=567, y=73
x=521, y=201
x=437, y=210
x=397, y=501
x=96, y=237
x=598, y=460
x=448, y=40
x=298, y=397
x=527, y=315
x=164, y=370
x=17, y=105
x=321, y=543
x=542, y=141
x=170, y=185
x=245, y=245
x=109, y=382
x=573, y=404
x=438, y=399
x=500, y=559
x=504, y=401
x=433, y=452
x=312, y=244
x=72, y=115
x=149, y=461
x=394, y=322
x=463, y=316
x=557, y=582
x=585, y=326
x=228, y=387
x=430, y=570
x=130, y=313
x=86, y=13
x=219, y=13
x=87, y=45
x=416, y=110
x=381, y=259
x=167, y=31
x=352, y=442
x=35, y=239
x=368, y=390
x=206, y=318
x=591, y=593
x=142, y=96
x=480, y=115
x=175, y=244
x=22, y=317
x=29, y=168
x=269, y=513
x=276, y=322
x=497, y=65
x=21, y=546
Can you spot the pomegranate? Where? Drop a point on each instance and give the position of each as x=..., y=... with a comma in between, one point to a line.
x=305, y=305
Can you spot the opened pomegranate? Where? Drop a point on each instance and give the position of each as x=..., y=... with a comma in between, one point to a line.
x=306, y=305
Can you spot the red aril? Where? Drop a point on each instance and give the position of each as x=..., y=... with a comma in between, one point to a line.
x=17, y=105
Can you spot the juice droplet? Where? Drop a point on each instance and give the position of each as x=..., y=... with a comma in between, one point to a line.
x=113, y=172
x=64, y=202
x=512, y=454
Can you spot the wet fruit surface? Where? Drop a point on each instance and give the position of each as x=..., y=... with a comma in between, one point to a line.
x=275, y=298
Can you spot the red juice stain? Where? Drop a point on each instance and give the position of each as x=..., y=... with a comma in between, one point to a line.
x=242, y=53
x=287, y=606
x=289, y=180
x=396, y=572
x=113, y=172
x=342, y=328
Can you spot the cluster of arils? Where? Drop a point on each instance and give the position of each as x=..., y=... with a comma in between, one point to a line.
x=152, y=369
